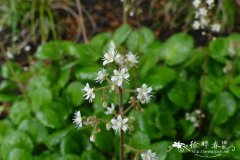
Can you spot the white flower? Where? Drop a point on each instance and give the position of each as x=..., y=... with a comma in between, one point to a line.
x=27, y=48
x=120, y=76
x=88, y=122
x=101, y=75
x=120, y=60
x=216, y=27
x=149, y=155
x=203, y=11
x=131, y=14
x=192, y=119
x=119, y=124
x=10, y=55
x=144, y=94
x=231, y=50
x=89, y=93
x=198, y=111
x=112, y=46
x=178, y=145
x=93, y=138
x=110, y=110
x=196, y=3
x=187, y=116
x=204, y=22
x=132, y=58
x=108, y=126
x=196, y=25
x=111, y=55
x=210, y=2
x=196, y=15
x=77, y=119
x=104, y=104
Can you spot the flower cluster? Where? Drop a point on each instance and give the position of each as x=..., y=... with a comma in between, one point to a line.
x=149, y=155
x=195, y=117
x=203, y=17
x=130, y=7
x=178, y=145
x=115, y=75
x=120, y=74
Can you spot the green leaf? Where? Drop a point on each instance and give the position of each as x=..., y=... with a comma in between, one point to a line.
x=188, y=128
x=104, y=140
x=87, y=73
x=159, y=77
x=16, y=140
x=40, y=96
x=174, y=154
x=38, y=81
x=57, y=50
x=183, y=93
x=230, y=12
x=145, y=38
x=5, y=129
x=140, y=140
x=63, y=77
x=146, y=121
x=235, y=80
x=218, y=49
x=165, y=121
x=7, y=97
x=161, y=149
x=121, y=34
x=92, y=155
x=222, y=107
x=177, y=49
x=133, y=41
x=74, y=143
x=196, y=59
x=19, y=111
x=48, y=116
x=213, y=84
x=99, y=42
x=20, y=154
x=235, y=89
x=150, y=59
x=56, y=137
x=8, y=68
x=70, y=157
x=75, y=93
x=140, y=39
x=35, y=129
x=52, y=50
x=7, y=86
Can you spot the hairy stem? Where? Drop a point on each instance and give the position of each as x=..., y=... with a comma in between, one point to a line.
x=204, y=73
x=121, y=132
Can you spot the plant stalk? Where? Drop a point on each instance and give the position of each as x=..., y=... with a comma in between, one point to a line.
x=124, y=12
x=121, y=131
x=204, y=74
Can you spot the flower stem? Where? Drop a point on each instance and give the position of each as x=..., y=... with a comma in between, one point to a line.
x=204, y=74
x=132, y=149
x=124, y=12
x=101, y=88
x=130, y=90
x=128, y=109
x=121, y=132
